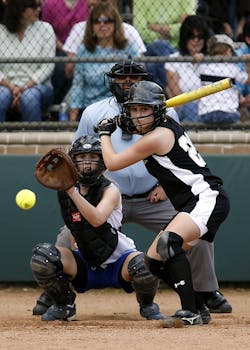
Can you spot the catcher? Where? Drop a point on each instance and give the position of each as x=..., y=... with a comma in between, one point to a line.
x=105, y=257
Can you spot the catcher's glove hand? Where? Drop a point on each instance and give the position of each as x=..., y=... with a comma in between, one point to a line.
x=56, y=170
x=106, y=126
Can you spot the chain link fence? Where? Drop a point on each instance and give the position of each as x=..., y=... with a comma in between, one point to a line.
x=156, y=22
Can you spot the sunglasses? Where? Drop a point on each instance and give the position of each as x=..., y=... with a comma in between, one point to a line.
x=105, y=20
x=196, y=36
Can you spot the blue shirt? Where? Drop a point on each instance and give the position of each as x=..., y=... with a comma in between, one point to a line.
x=134, y=179
x=243, y=88
x=88, y=83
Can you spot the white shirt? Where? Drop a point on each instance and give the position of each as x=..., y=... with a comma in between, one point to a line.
x=189, y=80
x=76, y=35
x=39, y=41
x=226, y=100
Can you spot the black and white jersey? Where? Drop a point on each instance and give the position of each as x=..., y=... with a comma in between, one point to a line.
x=182, y=172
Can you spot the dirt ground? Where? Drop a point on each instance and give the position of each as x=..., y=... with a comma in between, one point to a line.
x=109, y=319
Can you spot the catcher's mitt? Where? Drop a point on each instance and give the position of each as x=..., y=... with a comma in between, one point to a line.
x=56, y=170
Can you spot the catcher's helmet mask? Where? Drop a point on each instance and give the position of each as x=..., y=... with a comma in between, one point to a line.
x=87, y=144
x=126, y=68
x=143, y=93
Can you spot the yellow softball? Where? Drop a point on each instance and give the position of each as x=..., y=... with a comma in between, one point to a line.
x=25, y=199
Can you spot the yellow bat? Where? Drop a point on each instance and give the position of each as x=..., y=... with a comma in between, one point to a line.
x=201, y=92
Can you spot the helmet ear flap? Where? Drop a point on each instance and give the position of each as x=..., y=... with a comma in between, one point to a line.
x=126, y=123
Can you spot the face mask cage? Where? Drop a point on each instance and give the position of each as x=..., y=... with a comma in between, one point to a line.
x=129, y=68
x=126, y=123
x=90, y=178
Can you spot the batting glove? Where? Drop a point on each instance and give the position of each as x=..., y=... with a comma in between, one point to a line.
x=106, y=126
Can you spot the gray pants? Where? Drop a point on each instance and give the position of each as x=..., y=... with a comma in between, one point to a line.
x=154, y=217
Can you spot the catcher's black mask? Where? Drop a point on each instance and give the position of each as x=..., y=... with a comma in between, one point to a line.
x=88, y=144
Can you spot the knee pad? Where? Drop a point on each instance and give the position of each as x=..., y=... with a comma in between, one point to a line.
x=156, y=267
x=169, y=245
x=144, y=282
x=45, y=262
x=47, y=269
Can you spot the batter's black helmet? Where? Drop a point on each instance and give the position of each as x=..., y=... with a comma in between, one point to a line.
x=88, y=144
x=126, y=68
x=144, y=93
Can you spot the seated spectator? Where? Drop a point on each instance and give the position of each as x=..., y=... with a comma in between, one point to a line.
x=104, y=37
x=161, y=19
x=225, y=17
x=244, y=16
x=244, y=50
x=162, y=32
x=160, y=47
x=221, y=108
x=75, y=38
x=220, y=15
x=25, y=87
x=181, y=76
x=62, y=15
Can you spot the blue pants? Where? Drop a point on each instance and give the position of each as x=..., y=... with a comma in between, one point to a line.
x=99, y=278
x=189, y=112
x=157, y=70
x=220, y=117
x=32, y=102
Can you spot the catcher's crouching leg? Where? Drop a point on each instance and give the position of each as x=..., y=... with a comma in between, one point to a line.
x=145, y=286
x=48, y=272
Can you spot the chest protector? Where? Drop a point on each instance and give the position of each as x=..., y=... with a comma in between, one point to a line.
x=95, y=243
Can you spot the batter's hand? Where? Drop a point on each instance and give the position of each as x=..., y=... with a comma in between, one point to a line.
x=157, y=194
x=106, y=126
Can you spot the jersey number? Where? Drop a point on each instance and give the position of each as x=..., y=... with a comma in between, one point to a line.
x=186, y=144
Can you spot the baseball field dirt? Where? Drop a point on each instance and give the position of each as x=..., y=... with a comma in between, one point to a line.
x=109, y=319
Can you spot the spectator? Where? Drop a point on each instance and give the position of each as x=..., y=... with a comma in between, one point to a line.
x=244, y=50
x=225, y=16
x=104, y=37
x=217, y=14
x=25, y=87
x=181, y=76
x=62, y=15
x=243, y=15
x=104, y=257
x=159, y=23
x=161, y=19
x=221, y=108
x=76, y=35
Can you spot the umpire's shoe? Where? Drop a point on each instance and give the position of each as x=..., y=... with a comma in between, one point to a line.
x=60, y=312
x=182, y=318
x=217, y=303
x=42, y=304
x=151, y=312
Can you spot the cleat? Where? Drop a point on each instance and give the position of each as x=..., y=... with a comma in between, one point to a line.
x=205, y=314
x=217, y=303
x=151, y=312
x=182, y=318
x=60, y=312
x=42, y=304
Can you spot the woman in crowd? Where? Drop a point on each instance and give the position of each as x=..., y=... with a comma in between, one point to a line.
x=104, y=37
x=62, y=15
x=181, y=76
x=25, y=87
